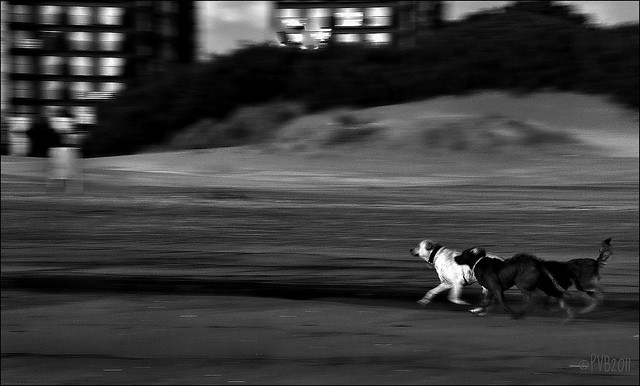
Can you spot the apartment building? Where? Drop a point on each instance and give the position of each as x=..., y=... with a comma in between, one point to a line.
x=313, y=24
x=72, y=55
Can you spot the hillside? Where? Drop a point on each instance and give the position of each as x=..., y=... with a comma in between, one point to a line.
x=547, y=138
x=560, y=123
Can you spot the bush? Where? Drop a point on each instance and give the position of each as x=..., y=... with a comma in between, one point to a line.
x=254, y=124
x=346, y=135
x=493, y=133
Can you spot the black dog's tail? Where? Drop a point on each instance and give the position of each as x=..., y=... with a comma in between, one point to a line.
x=555, y=278
x=605, y=252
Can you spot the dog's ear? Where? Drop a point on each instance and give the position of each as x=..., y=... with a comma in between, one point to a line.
x=607, y=241
x=479, y=252
x=429, y=244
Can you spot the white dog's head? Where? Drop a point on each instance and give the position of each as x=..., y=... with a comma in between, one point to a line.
x=424, y=250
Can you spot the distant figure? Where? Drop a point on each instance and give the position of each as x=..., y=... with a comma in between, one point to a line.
x=63, y=124
x=65, y=165
x=4, y=141
x=42, y=137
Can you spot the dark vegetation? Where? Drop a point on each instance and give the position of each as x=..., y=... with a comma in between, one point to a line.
x=246, y=125
x=522, y=48
x=494, y=133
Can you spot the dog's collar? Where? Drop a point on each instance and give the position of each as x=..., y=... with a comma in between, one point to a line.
x=435, y=250
x=473, y=269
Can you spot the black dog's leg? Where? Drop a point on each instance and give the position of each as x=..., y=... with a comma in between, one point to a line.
x=500, y=296
x=526, y=302
x=595, y=296
x=565, y=306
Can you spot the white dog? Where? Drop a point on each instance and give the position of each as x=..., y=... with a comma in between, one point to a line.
x=453, y=276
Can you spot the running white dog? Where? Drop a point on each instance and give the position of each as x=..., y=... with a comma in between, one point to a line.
x=453, y=276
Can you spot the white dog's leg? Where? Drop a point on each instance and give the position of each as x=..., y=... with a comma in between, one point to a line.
x=440, y=288
x=481, y=311
x=454, y=295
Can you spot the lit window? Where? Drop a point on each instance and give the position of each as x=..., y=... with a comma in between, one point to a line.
x=80, y=15
x=291, y=18
x=112, y=88
x=22, y=13
x=378, y=16
x=288, y=13
x=378, y=38
x=52, y=89
x=79, y=90
x=26, y=39
x=319, y=18
x=50, y=14
x=111, y=66
x=110, y=15
x=321, y=36
x=80, y=40
x=81, y=65
x=295, y=38
x=85, y=115
x=347, y=38
x=349, y=17
x=293, y=23
x=23, y=64
x=111, y=41
x=21, y=39
x=23, y=89
x=52, y=65
x=319, y=12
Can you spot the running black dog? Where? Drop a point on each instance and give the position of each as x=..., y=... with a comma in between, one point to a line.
x=583, y=273
x=525, y=271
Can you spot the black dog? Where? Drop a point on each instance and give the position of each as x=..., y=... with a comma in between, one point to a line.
x=583, y=273
x=525, y=271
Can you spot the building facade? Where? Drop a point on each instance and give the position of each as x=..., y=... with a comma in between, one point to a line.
x=312, y=24
x=72, y=55
x=6, y=65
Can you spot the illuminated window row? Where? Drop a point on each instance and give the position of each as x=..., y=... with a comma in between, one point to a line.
x=381, y=38
x=76, y=40
x=84, y=115
x=107, y=41
x=372, y=38
x=78, y=65
x=54, y=90
x=318, y=18
x=77, y=15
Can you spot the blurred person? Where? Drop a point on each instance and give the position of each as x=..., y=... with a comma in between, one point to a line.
x=65, y=167
x=42, y=137
x=64, y=124
x=4, y=140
